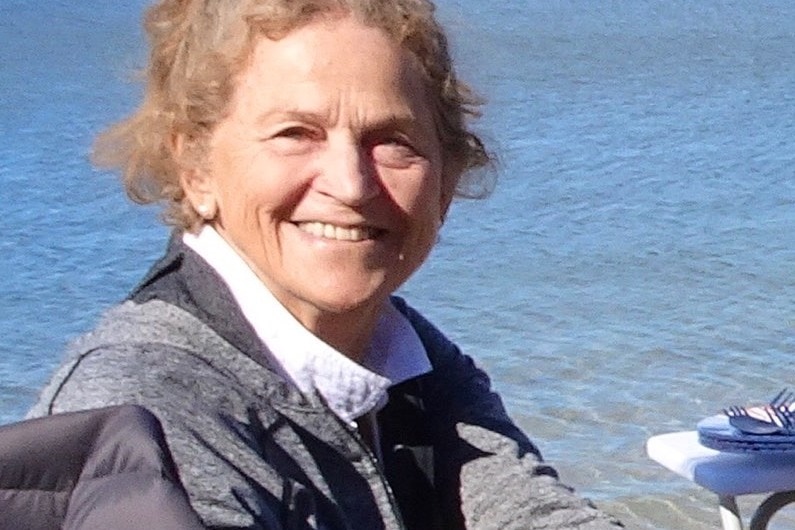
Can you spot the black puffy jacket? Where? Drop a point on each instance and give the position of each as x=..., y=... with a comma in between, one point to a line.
x=99, y=469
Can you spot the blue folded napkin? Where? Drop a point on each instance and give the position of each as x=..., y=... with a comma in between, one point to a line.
x=716, y=433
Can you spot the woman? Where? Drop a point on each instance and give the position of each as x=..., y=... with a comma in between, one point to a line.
x=307, y=152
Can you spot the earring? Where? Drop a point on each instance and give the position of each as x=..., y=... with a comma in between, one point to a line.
x=207, y=212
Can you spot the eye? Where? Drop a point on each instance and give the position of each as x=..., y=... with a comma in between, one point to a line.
x=395, y=151
x=294, y=139
x=297, y=132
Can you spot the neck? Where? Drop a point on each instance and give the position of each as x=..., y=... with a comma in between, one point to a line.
x=349, y=333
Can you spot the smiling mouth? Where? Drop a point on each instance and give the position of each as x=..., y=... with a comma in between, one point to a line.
x=340, y=233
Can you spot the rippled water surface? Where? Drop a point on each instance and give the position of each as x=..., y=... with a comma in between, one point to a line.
x=630, y=274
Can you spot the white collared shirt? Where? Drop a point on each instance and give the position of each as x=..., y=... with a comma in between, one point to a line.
x=395, y=353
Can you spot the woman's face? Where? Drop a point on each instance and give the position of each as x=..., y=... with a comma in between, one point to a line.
x=327, y=172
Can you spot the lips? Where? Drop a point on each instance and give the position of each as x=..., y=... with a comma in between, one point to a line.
x=339, y=233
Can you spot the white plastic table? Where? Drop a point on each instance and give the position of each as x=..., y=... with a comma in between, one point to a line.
x=729, y=475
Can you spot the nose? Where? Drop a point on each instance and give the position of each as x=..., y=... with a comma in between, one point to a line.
x=348, y=174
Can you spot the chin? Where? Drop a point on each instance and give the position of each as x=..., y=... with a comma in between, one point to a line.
x=339, y=306
x=347, y=300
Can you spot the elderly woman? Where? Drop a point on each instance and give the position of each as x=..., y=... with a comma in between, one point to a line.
x=307, y=152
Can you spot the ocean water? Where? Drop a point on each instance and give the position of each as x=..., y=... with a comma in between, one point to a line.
x=630, y=274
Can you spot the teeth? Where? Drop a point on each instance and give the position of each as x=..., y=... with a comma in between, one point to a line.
x=329, y=231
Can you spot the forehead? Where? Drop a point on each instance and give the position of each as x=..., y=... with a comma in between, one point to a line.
x=333, y=56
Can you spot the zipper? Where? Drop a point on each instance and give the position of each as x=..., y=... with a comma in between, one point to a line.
x=373, y=461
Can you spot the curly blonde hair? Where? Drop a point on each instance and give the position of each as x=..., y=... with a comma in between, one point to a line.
x=199, y=47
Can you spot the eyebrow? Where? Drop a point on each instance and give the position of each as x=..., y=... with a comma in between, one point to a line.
x=271, y=116
x=403, y=121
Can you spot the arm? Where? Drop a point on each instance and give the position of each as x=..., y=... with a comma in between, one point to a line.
x=503, y=481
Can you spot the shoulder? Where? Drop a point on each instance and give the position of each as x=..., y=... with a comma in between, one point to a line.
x=456, y=382
x=153, y=354
x=439, y=348
x=445, y=356
x=491, y=453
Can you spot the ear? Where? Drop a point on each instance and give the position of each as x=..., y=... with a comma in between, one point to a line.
x=199, y=191
x=195, y=182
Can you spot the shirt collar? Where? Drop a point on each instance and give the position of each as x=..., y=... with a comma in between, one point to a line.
x=395, y=353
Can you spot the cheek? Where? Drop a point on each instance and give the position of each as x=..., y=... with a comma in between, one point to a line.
x=428, y=201
x=416, y=190
x=258, y=190
x=421, y=202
